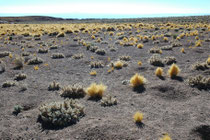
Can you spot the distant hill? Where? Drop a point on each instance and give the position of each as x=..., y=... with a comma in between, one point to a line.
x=29, y=19
x=47, y=19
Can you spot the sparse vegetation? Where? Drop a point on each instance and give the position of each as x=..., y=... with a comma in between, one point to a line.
x=156, y=60
x=8, y=84
x=73, y=91
x=61, y=113
x=137, y=80
x=54, y=86
x=159, y=72
x=138, y=117
x=78, y=56
x=168, y=60
x=96, y=64
x=57, y=56
x=93, y=73
x=173, y=70
x=18, y=62
x=100, y=51
x=4, y=54
x=42, y=50
x=148, y=46
x=35, y=60
x=125, y=58
x=200, y=66
x=20, y=76
x=118, y=64
x=155, y=50
x=96, y=90
x=108, y=101
x=199, y=81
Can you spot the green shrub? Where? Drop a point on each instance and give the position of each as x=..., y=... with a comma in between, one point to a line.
x=61, y=113
x=73, y=91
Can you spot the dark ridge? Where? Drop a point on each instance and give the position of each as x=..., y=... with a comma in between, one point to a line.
x=47, y=19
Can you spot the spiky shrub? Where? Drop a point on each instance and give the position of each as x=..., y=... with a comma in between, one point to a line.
x=100, y=52
x=73, y=91
x=4, y=54
x=108, y=101
x=25, y=54
x=20, y=76
x=166, y=137
x=167, y=48
x=2, y=66
x=96, y=90
x=18, y=62
x=53, y=47
x=125, y=58
x=42, y=50
x=17, y=109
x=140, y=46
x=138, y=117
x=137, y=80
x=168, y=60
x=93, y=48
x=155, y=50
x=57, y=55
x=8, y=84
x=156, y=60
x=96, y=64
x=54, y=86
x=199, y=81
x=78, y=56
x=200, y=66
x=159, y=72
x=35, y=60
x=173, y=71
x=61, y=113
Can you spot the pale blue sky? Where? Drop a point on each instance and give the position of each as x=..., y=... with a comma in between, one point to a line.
x=104, y=7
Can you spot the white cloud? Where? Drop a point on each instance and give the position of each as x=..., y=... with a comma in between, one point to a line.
x=98, y=9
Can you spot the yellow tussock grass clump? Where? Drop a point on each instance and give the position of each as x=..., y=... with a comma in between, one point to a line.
x=159, y=72
x=138, y=117
x=140, y=46
x=118, y=64
x=137, y=80
x=93, y=73
x=173, y=70
x=182, y=50
x=96, y=90
x=166, y=137
x=36, y=67
x=208, y=61
x=139, y=63
x=198, y=43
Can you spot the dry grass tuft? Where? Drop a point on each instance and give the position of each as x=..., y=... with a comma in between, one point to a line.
x=159, y=72
x=140, y=46
x=137, y=80
x=138, y=117
x=166, y=137
x=173, y=70
x=93, y=73
x=96, y=90
x=118, y=64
